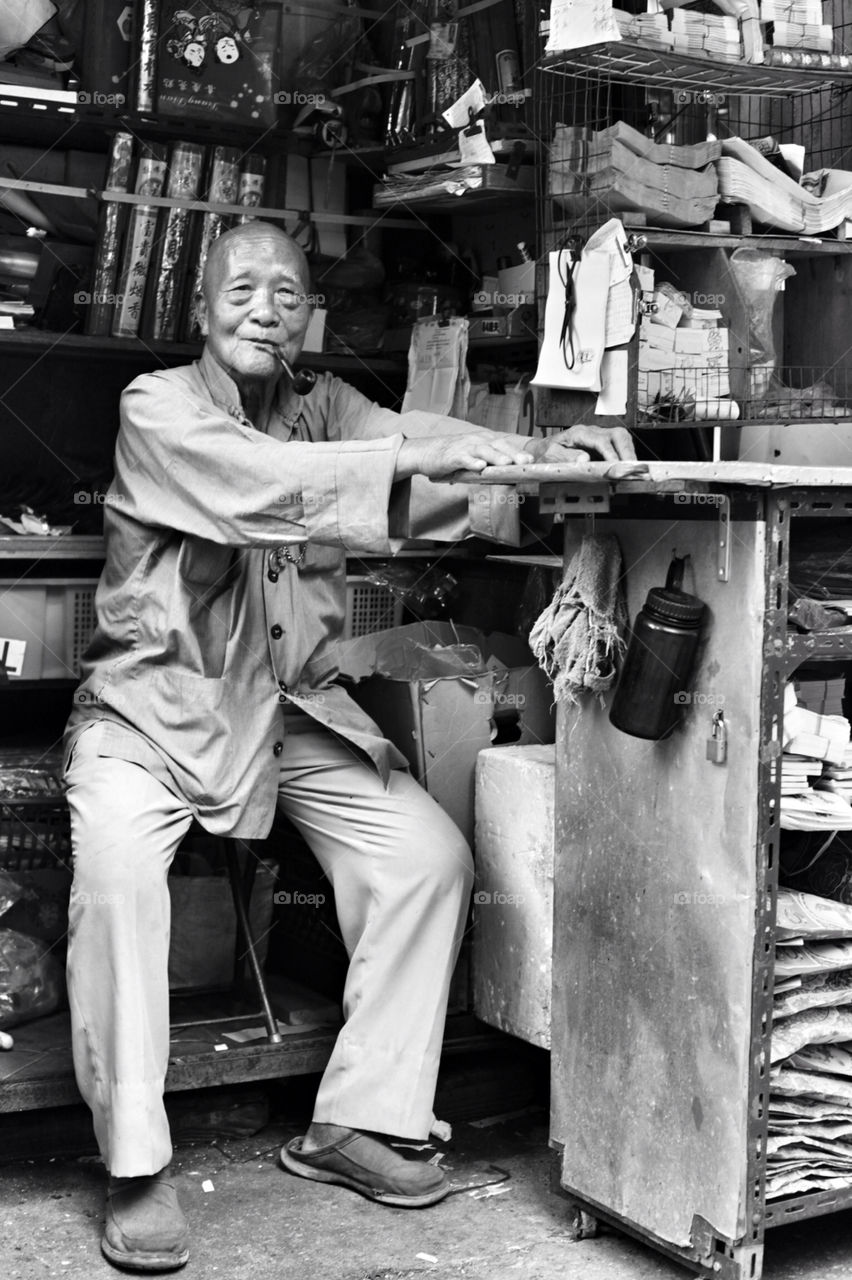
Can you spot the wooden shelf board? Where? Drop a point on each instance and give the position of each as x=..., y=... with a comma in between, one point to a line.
x=66, y=547
x=20, y=341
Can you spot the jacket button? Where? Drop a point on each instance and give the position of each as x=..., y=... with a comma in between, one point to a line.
x=283, y=686
x=276, y=632
x=272, y=575
x=282, y=697
x=278, y=748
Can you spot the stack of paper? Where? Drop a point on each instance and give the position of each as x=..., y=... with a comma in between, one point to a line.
x=716, y=35
x=803, y=11
x=810, y=1104
x=796, y=773
x=825, y=697
x=775, y=200
x=801, y=35
x=621, y=169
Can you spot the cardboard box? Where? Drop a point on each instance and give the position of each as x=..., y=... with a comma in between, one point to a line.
x=440, y=718
x=513, y=899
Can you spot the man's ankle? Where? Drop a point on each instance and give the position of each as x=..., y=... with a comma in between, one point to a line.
x=324, y=1135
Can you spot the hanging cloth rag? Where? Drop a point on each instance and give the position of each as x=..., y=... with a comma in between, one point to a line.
x=580, y=635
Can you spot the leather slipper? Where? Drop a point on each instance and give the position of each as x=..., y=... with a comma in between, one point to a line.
x=372, y=1169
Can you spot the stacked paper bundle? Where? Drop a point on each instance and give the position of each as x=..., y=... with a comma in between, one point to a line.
x=683, y=354
x=822, y=740
x=716, y=35
x=775, y=200
x=648, y=29
x=797, y=24
x=837, y=778
x=796, y=773
x=810, y=1104
x=825, y=697
x=620, y=169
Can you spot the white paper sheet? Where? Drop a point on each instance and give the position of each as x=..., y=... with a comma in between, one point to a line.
x=588, y=324
x=613, y=396
x=437, y=368
x=574, y=24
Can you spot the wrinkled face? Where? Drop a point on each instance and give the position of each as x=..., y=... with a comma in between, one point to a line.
x=254, y=300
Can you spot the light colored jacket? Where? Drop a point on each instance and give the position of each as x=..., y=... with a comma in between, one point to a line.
x=204, y=626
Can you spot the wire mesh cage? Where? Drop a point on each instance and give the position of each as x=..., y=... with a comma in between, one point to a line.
x=692, y=147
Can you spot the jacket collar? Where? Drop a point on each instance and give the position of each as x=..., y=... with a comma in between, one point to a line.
x=284, y=413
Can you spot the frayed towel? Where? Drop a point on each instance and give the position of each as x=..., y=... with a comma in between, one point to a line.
x=580, y=635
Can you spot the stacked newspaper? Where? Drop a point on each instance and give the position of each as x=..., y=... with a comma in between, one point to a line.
x=716, y=35
x=809, y=1144
x=648, y=29
x=619, y=169
x=776, y=200
x=797, y=24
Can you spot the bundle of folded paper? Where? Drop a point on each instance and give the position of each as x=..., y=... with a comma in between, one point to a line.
x=797, y=24
x=816, y=769
x=809, y=1145
x=787, y=24
x=683, y=354
x=618, y=169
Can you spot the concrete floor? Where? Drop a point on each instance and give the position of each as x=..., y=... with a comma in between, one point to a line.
x=255, y=1222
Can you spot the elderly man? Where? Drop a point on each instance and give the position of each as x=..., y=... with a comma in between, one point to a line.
x=209, y=693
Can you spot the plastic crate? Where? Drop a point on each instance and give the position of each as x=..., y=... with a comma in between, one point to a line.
x=34, y=834
x=45, y=626
x=369, y=607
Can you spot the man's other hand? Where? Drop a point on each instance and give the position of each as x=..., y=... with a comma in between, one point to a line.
x=580, y=442
x=441, y=456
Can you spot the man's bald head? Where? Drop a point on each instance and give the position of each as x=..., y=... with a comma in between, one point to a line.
x=248, y=233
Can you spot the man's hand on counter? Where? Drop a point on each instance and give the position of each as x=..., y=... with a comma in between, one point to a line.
x=440, y=456
x=581, y=443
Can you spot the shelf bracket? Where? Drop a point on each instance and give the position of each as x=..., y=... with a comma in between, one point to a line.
x=561, y=500
x=723, y=539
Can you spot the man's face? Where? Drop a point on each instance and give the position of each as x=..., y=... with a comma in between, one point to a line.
x=255, y=300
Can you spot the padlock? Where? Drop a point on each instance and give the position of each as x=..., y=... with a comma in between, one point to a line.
x=717, y=743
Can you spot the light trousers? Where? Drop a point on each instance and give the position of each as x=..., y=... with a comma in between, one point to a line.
x=401, y=873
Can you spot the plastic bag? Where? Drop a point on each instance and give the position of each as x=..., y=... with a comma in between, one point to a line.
x=427, y=594
x=31, y=979
x=759, y=277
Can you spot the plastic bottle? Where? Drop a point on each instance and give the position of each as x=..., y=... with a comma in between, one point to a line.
x=653, y=688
